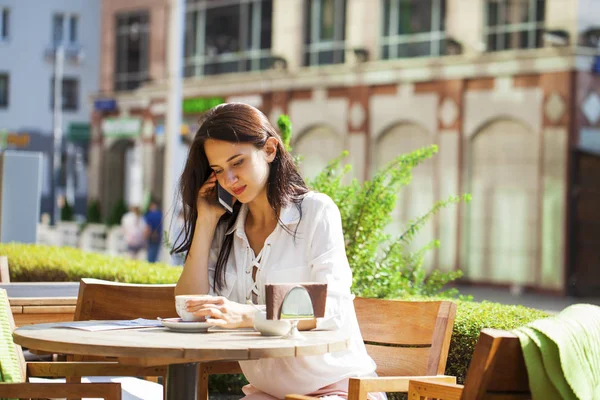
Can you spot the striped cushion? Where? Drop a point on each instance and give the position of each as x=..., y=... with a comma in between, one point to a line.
x=9, y=362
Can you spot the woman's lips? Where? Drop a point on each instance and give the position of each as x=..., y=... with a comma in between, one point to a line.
x=239, y=191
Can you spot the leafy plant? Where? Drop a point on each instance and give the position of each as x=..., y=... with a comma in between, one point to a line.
x=66, y=212
x=382, y=265
x=117, y=212
x=94, y=216
x=285, y=127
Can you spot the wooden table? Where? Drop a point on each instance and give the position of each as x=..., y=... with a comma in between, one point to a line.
x=182, y=352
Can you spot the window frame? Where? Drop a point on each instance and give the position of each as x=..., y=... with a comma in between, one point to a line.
x=122, y=78
x=393, y=38
x=249, y=20
x=6, y=77
x=313, y=44
x=66, y=106
x=531, y=26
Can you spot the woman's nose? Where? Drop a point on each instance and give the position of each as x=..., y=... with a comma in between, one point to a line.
x=230, y=178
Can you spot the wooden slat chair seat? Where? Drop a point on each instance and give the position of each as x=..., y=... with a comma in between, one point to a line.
x=497, y=371
x=407, y=340
x=14, y=372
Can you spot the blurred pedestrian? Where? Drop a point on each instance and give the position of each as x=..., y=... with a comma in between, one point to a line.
x=134, y=229
x=153, y=220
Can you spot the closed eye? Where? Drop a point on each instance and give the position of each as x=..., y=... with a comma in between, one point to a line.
x=238, y=163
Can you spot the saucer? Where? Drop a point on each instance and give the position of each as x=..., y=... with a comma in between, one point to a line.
x=179, y=325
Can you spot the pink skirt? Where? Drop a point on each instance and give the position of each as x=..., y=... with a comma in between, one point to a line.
x=335, y=391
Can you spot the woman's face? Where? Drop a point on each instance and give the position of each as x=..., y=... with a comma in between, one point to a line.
x=241, y=168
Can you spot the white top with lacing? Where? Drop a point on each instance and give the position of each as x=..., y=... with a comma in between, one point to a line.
x=315, y=253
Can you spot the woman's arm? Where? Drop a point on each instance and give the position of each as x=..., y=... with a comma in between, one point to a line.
x=194, y=278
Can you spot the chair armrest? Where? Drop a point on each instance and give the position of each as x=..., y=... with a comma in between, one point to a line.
x=442, y=391
x=107, y=391
x=359, y=387
x=90, y=368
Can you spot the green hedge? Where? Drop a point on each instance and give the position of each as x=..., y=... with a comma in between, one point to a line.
x=35, y=263
x=471, y=318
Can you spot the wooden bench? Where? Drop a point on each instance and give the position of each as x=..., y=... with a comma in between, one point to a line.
x=497, y=371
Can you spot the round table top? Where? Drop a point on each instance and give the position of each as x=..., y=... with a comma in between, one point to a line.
x=159, y=342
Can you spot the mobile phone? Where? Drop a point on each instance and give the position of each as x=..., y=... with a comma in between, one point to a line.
x=225, y=198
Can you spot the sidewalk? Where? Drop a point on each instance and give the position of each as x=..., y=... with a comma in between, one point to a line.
x=533, y=300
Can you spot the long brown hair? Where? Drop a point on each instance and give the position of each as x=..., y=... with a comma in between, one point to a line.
x=236, y=123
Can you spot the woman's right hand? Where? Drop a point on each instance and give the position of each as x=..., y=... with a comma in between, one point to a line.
x=207, y=203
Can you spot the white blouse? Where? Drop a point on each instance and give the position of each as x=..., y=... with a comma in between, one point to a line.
x=317, y=253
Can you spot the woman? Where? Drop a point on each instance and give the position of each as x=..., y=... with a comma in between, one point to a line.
x=279, y=232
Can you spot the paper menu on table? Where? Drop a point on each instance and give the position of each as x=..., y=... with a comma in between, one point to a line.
x=94, y=326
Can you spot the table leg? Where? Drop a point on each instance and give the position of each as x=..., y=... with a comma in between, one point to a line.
x=182, y=381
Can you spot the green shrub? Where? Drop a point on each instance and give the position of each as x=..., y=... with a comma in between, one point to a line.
x=66, y=212
x=38, y=263
x=94, y=216
x=471, y=318
x=116, y=213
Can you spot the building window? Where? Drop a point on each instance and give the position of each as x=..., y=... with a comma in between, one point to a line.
x=225, y=36
x=4, y=23
x=70, y=94
x=4, y=90
x=131, y=60
x=63, y=24
x=413, y=28
x=325, y=36
x=514, y=24
x=73, y=25
x=58, y=22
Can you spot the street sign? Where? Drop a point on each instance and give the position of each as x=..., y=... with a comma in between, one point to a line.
x=121, y=127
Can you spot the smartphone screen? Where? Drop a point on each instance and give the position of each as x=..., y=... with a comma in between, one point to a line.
x=225, y=198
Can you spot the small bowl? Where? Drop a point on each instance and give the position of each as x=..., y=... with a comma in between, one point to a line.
x=180, y=307
x=270, y=327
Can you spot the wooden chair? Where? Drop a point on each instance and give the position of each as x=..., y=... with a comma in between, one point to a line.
x=497, y=371
x=14, y=370
x=407, y=340
x=105, y=300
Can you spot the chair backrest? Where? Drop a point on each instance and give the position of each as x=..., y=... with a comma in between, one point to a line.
x=105, y=300
x=12, y=361
x=497, y=368
x=406, y=338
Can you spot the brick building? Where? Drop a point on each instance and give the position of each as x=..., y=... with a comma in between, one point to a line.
x=505, y=88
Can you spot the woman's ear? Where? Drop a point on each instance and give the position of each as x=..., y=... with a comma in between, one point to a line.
x=270, y=149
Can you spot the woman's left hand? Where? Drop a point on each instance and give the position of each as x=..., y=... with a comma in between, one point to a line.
x=221, y=312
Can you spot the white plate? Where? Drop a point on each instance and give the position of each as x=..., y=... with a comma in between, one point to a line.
x=178, y=325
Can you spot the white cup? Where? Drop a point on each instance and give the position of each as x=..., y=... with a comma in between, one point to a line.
x=180, y=307
x=270, y=327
